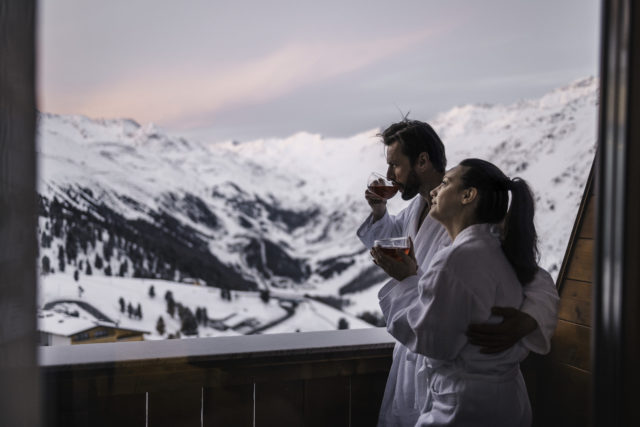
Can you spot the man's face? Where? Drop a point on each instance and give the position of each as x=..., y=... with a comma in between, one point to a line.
x=401, y=172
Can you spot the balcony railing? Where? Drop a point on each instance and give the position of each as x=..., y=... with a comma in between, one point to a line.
x=332, y=378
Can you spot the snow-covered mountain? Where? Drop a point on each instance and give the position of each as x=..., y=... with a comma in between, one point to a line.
x=128, y=203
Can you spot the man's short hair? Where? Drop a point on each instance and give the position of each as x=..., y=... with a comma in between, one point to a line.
x=417, y=137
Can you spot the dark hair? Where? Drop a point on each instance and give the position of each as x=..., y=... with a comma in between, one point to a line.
x=519, y=238
x=417, y=137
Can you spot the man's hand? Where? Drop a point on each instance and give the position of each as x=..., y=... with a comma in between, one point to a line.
x=497, y=337
x=377, y=203
x=398, y=268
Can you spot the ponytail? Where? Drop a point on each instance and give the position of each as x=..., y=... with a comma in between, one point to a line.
x=519, y=238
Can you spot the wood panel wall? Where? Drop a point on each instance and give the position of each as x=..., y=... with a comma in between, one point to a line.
x=560, y=383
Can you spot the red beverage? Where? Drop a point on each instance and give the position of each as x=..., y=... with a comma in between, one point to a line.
x=384, y=191
x=395, y=252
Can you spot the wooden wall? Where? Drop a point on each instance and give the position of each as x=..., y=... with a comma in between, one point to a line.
x=560, y=383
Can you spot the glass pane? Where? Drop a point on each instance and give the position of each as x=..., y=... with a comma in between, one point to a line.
x=202, y=166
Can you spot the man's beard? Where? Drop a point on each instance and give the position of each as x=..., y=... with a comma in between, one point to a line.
x=412, y=187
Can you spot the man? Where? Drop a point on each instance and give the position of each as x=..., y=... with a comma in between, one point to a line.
x=416, y=163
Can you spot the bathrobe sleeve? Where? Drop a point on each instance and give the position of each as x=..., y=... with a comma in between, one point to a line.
x=387, y=226
x=541, y=303
x=429, y=313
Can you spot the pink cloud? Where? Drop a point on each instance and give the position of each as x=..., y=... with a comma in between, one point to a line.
x=174, y=94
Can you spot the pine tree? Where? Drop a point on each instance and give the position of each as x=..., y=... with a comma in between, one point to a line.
x=88, y=271
x=61, y=263
x=372, y=318
x=121, y=302
x=98, y=262
x=129, y=310
x=76, y=275
x=160, y=326
x=124, y=267
x=171, y=307
x=168, y=295
x=55, y=211
x=265, y=295
x=82, y=239
x=71, y=245
x=343, y=323
x=46, y=265
x=57, y=227
x=45, y=240
x=189, y=325
x=107, y=249
x=152, y=292
x=139, y=311
x=107, y=270
x=180, y=309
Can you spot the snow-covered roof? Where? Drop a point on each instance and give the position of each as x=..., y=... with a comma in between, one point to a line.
x=61, y=323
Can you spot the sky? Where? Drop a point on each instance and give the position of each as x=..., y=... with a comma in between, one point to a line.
x=242, y=70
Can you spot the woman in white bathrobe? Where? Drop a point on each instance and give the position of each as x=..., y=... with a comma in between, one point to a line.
x=429, y=311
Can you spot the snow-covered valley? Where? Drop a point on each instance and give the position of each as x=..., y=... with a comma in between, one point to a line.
x=261, y=234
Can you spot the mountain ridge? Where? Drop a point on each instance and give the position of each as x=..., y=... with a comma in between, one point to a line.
x=280, y=213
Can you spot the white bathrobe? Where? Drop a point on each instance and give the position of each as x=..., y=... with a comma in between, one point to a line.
x=407, y=389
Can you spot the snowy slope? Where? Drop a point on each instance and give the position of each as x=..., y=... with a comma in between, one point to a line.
x=276, y=214
x=240, y=315
x=550, y=142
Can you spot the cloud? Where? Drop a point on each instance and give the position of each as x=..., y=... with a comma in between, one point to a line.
x=180, y=95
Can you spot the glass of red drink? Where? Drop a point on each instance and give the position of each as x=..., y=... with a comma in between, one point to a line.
x=382, y=187
x=393, y=246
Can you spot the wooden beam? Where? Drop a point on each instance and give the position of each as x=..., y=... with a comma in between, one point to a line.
x=617, y=269
x=631, y=296
x=19, y=387
x=588, y=226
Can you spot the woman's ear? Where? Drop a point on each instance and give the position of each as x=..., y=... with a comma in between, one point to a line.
x=469, y=195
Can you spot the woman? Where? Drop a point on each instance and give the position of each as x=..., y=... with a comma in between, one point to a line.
x=429, y=312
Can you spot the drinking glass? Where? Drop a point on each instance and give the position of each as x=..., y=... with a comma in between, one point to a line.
x=393, y=247
x=381, y=186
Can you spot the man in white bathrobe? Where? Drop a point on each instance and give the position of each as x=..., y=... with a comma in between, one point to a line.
x=416, y=163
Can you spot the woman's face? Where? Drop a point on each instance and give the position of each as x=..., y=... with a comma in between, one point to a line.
x=446, y=199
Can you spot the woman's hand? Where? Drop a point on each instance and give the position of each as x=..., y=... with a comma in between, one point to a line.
x=399, y=268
